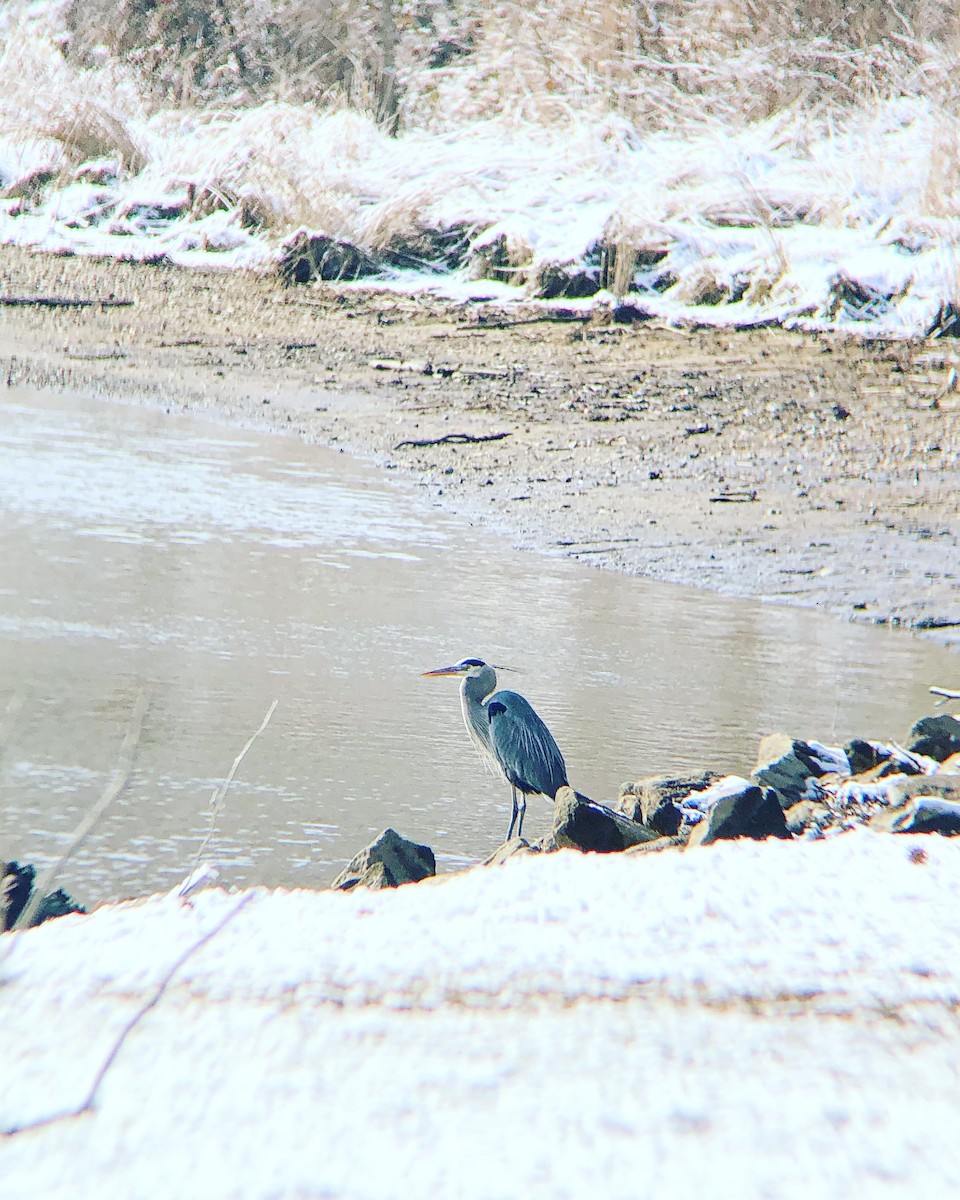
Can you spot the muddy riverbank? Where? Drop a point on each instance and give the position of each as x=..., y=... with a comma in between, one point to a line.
x=807, y=470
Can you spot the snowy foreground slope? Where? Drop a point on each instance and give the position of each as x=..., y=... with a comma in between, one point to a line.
x=755, y=1019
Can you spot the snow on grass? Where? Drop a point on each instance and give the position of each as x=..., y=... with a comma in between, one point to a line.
x=749, y=1019
x=844, y=220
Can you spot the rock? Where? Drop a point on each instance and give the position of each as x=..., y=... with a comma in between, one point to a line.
x=308, y=256
x=435, y=248
x=583, y=824
x=389, y=861
x=742, y=810
x=515, y=848
x=920, y=814
x=807, y=815
x=942, y=785
x=551, y=280
x=936, y=737
x=655, y=800
x=786, y=765
x=16, y=885
x=658, y=844
x=885, y=760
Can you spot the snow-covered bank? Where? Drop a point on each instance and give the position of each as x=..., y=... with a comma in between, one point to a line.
x=755, y=1019
x=822, y=217
x=782, y=222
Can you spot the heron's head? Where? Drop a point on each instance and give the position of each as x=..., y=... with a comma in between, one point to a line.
x=465, y=667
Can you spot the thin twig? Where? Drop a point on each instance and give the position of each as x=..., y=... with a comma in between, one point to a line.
x=944, y=694
x=219, y=793
x=88, y=1103
x=454, y=439
x=121, y=777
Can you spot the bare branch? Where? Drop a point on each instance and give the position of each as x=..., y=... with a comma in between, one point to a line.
x=88, y=1103
x=121, y=777
x=219, y=793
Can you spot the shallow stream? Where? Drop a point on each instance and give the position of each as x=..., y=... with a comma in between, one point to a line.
x=220, y=569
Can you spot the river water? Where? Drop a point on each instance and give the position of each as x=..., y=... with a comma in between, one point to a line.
x=219, y=569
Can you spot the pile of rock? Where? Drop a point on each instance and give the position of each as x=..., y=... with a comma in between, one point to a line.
x=797, y=789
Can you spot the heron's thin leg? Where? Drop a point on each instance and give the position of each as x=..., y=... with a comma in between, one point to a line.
x=523, y=809
x=513, y=818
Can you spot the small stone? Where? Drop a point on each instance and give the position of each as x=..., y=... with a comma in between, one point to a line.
x=654, y=800
x=656, y=846
x=786, y=765
x=515, y=848
x=748, y=811
x=936, y=737
x=583, y=824
x=389, y=861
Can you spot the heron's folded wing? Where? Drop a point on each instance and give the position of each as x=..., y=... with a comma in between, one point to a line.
x=524, y=746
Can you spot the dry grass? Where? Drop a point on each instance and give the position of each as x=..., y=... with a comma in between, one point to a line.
x=283, y=108
x=445, y=62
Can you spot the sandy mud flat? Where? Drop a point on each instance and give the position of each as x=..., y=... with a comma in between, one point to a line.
x=803, y=469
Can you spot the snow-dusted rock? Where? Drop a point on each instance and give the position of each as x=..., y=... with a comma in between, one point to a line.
x=741, y=810
x=656, y=799
x=787, y=765
x=920, y=814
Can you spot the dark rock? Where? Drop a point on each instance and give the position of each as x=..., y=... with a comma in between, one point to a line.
x=440, y=249
x=655, y=800
x=583, y=824
x=517, y=847
x=16, y=886
x=631, y=314
x=565, y=279
x=749, y=811
x=389, y=861
x=308, y=256
x=936, y=737
x=16, y=883
x=920, y=814
x=786, y=765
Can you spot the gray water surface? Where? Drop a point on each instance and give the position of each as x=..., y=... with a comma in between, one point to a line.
x=219, y=569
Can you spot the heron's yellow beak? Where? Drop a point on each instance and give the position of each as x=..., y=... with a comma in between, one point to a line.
x=441, y=671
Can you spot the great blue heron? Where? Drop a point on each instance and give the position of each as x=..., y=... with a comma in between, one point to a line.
x=509, y=735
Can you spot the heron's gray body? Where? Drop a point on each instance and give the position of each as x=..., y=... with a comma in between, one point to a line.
x=511, y=739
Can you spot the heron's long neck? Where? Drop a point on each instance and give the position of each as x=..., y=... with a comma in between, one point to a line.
x=473, y=691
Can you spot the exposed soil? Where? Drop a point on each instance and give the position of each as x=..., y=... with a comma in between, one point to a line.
x=813, y=470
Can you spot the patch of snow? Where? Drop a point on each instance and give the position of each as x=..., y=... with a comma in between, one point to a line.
x=508, y=1032
x=830, y=758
